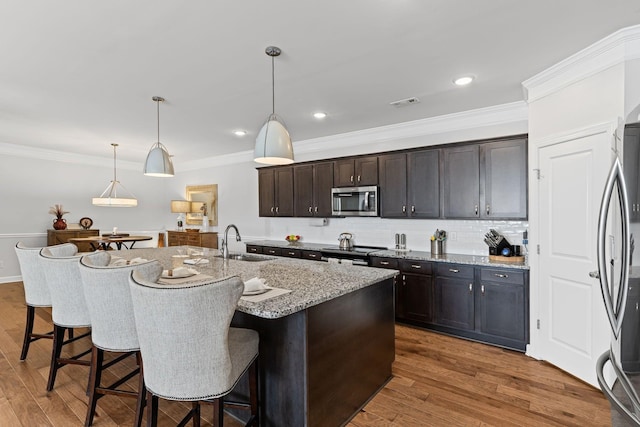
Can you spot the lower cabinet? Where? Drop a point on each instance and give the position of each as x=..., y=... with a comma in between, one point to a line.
x=481, y=303
x=629, y=342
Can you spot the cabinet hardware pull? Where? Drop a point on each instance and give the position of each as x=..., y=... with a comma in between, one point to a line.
x=351, y=178
x=482, y=289
x=358, y=178
x=290, y=253
x=404, y=278
x=404, y=209
x=276, y=209
x=310, y=209
x=504, y=276
x=384, y=262
x=416, y=266
x=413, y=209
x=637, y=306
x=470, y=287
x=316, y=209
x=488, y=210
x=271, y=209
x=476, y=209
x=454, y=270
x=313, y=256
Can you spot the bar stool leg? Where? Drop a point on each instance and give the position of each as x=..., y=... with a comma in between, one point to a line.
x=28, y=331
x=58, y=340
x=97, y=357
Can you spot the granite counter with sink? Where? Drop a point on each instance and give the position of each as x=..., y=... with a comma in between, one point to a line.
x=326, y=347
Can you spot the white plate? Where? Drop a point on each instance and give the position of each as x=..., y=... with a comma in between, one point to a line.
x=256, y=292
x=188, y=273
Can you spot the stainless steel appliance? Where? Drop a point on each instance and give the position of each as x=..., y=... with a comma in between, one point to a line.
x=357, y=255
x=346, y=241
x=354, y=201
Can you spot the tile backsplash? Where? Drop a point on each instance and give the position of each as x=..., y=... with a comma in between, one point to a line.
x=464, y=236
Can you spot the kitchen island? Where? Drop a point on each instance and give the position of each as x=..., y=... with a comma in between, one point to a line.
x=326, y=347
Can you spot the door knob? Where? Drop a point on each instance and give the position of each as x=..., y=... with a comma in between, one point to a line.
x=594, y=274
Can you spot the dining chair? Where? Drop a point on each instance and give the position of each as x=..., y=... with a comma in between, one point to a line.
x=36, y=291
x=113, y=329
x=69, y=308
x=189, y=350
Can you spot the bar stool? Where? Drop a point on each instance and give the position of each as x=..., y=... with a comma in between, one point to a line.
x=36, y=291
x=69, y=309
x=189, y=350
x=113, y=329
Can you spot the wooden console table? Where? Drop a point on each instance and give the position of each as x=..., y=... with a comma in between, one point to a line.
x=58, y=237
x=193, y=238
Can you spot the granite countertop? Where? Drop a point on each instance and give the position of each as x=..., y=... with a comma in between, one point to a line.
x=311, y=282
x=414, y=255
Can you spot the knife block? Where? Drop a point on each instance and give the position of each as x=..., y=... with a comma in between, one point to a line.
x=501, y=245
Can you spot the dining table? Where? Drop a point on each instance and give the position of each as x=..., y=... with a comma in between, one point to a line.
x=104, y=242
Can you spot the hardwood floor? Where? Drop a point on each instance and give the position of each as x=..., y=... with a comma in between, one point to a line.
x=438, y=381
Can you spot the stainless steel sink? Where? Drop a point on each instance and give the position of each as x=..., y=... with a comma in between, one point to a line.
x=246, y=257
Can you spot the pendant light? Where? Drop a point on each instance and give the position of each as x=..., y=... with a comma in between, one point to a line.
x=158, y=160
x=273, y=144
x=109, y=196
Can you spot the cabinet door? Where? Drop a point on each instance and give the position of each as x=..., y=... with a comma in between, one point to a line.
x=631, y=155
x=461, y=170
x=266, y=192
x=454, y=302
x=284, y=191
x=423, y=184
x=344, y=173
x=502, y=310
x=322, y=185
x=303, y=190
x=415, y=298
x=393, y=185
x=503, y=170
x=366, y=170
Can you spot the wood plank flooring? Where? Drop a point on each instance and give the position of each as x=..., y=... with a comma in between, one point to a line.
x=438, y=381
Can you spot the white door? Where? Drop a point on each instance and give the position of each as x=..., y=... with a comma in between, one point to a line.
x=574, y=329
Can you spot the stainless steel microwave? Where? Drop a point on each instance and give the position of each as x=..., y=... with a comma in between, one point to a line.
x=354, y=201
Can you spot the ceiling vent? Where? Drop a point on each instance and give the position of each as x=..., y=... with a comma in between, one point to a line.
x=405, y=102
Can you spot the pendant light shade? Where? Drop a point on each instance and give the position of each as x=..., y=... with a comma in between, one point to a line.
x=109, y=196
x=158, y=161
x=273, y=144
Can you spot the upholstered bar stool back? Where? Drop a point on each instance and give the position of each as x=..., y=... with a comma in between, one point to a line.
x=36, y=291
x=69, y=308
x=113, y=329
x=188, y=348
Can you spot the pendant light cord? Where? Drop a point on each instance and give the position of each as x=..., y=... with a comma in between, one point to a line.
x=158, y=110
x=114, y=163
x=273, y=86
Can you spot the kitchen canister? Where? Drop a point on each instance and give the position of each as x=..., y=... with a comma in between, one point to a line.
x=437, y=247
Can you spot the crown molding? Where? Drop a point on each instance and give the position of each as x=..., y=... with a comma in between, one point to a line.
x=64, y=157
x=472, y=119
x=619, y=47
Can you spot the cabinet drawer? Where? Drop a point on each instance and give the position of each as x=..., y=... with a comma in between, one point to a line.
x=421, y=267
x=499, y=275
x=291, y=253
x=254, y=249
x=460, y=271
x=379, y=262
x=272, y=251
x=313, y=255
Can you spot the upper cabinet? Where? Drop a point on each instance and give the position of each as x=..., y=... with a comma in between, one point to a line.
x=410, y=184
x=631, y=153
x=487, y=180
x=312, y=185
x=353, y=172
x=275, y=188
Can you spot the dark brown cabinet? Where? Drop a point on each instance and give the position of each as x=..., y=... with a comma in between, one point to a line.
x=312, y=185
x=454, y=296
x=487, y=180
x=415, y=291
x=275, y=191
x=501, y=301
x=410, y=184
x=631, y=162
x=357, y=171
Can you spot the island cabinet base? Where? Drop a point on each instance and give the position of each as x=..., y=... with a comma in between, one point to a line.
x=320, y=366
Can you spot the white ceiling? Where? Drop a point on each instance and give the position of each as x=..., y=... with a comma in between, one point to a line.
x=77, y=75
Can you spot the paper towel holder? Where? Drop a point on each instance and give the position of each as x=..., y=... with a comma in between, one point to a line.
x=318, y=222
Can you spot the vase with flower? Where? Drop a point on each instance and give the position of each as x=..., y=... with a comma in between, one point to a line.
x=205, y=218
x=59, y=223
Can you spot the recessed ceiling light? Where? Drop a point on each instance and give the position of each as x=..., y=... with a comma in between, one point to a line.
x=319, y=115
x=464, y=80
x=240, y=132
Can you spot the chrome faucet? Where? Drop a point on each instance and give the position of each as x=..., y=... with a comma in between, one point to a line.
x=225, y=247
